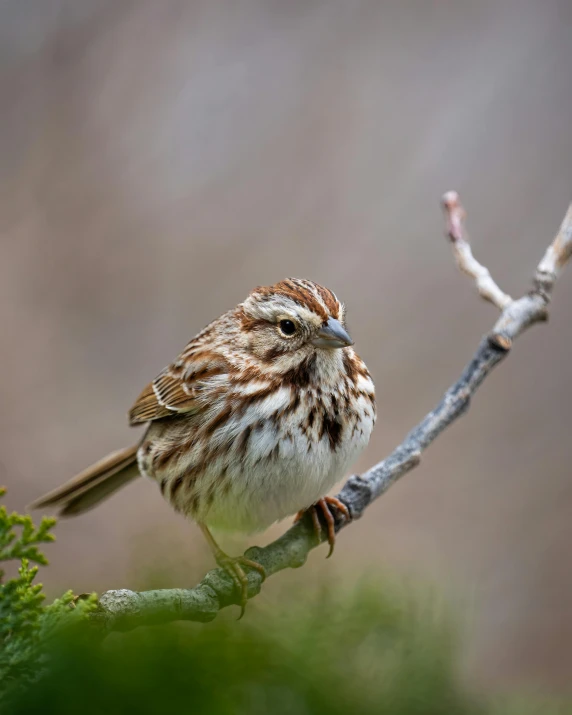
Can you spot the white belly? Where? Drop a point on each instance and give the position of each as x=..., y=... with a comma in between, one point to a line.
x=267, y=492
x=303, y=469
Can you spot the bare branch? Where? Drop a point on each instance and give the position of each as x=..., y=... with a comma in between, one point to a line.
x=123, y=609
x=557, y=254
x=455, y=216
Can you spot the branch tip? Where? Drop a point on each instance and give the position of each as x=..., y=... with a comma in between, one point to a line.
x=455, y=215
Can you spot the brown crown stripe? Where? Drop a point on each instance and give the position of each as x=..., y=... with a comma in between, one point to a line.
x=304, y=291
x=300, y=293
x=329, y=299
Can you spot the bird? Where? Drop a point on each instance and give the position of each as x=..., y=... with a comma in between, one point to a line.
x=256, y=420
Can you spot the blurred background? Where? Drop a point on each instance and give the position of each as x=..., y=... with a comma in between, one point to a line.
x=161, y=159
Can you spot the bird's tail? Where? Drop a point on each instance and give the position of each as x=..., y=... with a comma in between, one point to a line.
x=93, y=485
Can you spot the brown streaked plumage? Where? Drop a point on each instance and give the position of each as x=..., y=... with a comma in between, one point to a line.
x=262, y=412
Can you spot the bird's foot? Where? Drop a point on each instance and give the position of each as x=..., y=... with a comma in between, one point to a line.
x=233, y=565
x=328, y=507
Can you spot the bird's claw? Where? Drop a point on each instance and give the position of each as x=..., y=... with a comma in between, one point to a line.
x=233, y=565
x=328, y=506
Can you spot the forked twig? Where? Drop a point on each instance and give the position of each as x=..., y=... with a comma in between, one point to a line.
x=124, y=609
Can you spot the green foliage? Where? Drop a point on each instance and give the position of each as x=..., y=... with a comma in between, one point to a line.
x=363, y=649
x=26, y=624
x=367, y=647
x=19, y=538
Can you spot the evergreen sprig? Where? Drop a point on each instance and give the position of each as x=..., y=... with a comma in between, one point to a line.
x=26, y=623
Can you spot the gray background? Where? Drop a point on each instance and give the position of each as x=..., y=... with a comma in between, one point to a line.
x=161, y=159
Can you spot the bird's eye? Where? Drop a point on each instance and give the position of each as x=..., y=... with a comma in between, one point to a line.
x=287, y=327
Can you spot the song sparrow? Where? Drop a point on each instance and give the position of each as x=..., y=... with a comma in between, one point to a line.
x=262, y=412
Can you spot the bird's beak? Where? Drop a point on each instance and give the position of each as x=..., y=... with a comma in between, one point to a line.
x=332, y=335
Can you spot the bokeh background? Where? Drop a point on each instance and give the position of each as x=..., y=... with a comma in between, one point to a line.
x=160, y=159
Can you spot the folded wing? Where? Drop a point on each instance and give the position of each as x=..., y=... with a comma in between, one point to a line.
x=175, y=390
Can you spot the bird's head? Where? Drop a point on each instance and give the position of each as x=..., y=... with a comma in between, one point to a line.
x=293, y=318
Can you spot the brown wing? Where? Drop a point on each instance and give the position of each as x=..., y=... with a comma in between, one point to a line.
x=175, y=390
